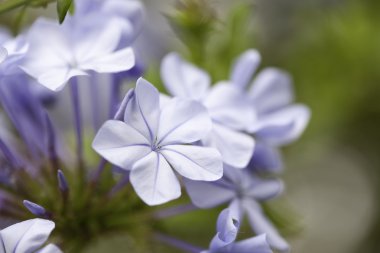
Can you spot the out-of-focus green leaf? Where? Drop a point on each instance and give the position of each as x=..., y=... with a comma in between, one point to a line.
x=63, y=6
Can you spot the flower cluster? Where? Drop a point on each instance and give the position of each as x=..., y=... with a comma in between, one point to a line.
x=219, y=142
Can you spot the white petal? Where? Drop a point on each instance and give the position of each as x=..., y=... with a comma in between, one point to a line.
x=55, y=79
x=194, y=162
x=120, y=144
x=244, y=68
x=230, y=107
x=283, y=126
x=118, y=61
x=142, y=112
x=3, y=54
x=154, y=180
x=101, y=38
x=261, y=225
x=26, y=236
x=183, y=121
x=265, y=189
x=208, y=194
x=182, y=79
x=235, y=147
x=50, y=248
x=271, y=90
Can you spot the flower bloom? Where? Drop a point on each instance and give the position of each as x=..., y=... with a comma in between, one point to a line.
x=243, y=192
x=27, y=237
x=279, y=121
x=74, y=50
x=151, y=142
x=224, y=240
x=227, y=106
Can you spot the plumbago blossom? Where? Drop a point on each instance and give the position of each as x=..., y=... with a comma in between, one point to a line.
x=150, y=143
x=278, y=120
x=243, y=192
x=28, y=237
x=227, y=231
x=212, y=139
x=75, y=49
x=228, y=108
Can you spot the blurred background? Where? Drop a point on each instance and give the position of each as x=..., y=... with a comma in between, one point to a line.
x=332, y=50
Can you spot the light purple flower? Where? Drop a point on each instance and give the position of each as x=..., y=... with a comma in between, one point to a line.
x=12, y=51
x=74, y=50
x=224, y=240
x=279, y=121
x=227, y=106
x=27, y=237
x=151, y=143
x=243, y=192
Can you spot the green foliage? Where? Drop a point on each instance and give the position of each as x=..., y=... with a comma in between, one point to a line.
x=64, y=6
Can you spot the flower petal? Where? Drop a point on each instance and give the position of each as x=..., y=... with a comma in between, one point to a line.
x=244, y=68
x=266, y=159
x=257, y=244
x=271, y=90
x=183, y=121
x=261, y=225
x=209, y=194
x=182, y=79
x=236, y=148
x=194, y=162
x=229, y=220
x=118, y=61
x=283, y=126
x=50, y=248
x=142, y=111
x=120, y=144
x=154, y=180
x=26, y=236
x=230, y=107
x=265, y=189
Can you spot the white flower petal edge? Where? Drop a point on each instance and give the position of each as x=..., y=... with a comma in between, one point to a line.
x=244, y=68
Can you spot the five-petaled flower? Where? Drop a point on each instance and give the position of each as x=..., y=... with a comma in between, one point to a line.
x=152, y=141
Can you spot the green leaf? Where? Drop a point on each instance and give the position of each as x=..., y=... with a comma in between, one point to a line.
x=63, y=6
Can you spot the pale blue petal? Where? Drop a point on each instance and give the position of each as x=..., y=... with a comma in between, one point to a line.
x=271, y=90
x=283, y=126
x=230, y=107
x=182, y=79
x=50, y=248
x=266, y=159
x=244, y=68
x=261, y=225
x=194, y=162
x=257, y=244
x=264, y=189
x=183, y=121
x=142, y=112
x=120, y=144
x=154, y=180
x=209, y=194
x=235, y=147
x=26, y=236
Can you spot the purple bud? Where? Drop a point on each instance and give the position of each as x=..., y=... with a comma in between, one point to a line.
x=62, y=182
x=35, y=208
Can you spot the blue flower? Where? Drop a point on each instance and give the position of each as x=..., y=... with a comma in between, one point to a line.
x=243, y=192
x=279, y=121
x=227, y=106
x=151, y=143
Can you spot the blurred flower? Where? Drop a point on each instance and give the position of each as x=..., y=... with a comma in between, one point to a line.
x=242, y=191
x=66, y=52
x=226, y=244
x=228, y=108
x=27, y=236
x=279, y=121
x=150, y=141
